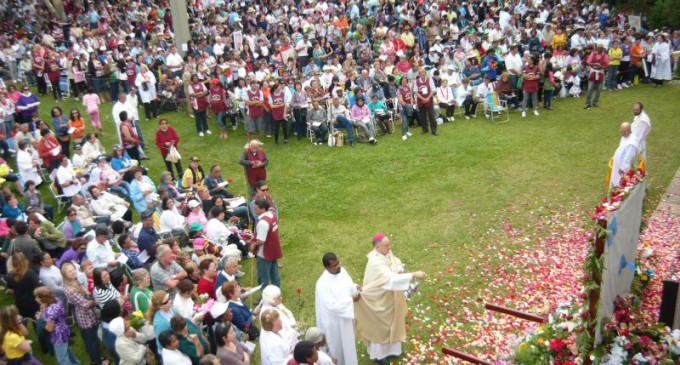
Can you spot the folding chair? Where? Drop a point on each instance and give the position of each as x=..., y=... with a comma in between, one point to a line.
x=310, y=133
x=48, y=83
x=157, y=225
x=62, y=200
x=494, y=108
x=64, y=86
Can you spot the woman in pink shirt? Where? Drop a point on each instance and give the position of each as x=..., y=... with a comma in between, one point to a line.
x=91, y=101
x=361, y=117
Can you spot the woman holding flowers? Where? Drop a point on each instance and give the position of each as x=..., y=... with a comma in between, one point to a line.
x=130, y=344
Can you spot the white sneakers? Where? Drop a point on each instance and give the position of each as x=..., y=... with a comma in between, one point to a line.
x=208, y=131
x=524, y=114
x=409, y=134
x=200, y=134
x=536, y=113
x=404, y=137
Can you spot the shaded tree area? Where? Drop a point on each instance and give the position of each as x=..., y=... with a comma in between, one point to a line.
x=659, y=13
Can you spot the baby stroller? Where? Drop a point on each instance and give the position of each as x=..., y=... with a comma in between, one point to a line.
x=170, y=100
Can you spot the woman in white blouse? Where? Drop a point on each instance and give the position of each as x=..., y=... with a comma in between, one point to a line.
x=271, y=300
x=447, y=102
x=274, y=349
x=183, y=304
x=28, y=162
x=171, y=219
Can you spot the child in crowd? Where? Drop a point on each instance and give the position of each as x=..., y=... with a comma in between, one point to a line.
x=86, y=276
x=91, y=101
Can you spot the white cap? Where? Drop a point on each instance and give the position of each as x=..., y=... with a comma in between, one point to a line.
x=117, y=326
x=218, y=309
x=193, y=203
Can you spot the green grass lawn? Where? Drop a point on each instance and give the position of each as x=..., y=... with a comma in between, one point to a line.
x=447, y=190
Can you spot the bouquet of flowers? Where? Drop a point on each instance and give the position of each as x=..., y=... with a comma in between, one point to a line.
x=203, y=304
x=137, y=320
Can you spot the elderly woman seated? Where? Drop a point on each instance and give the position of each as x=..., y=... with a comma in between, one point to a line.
x=167, y=183
x=271, y=300
x=142, y=191
x=243, y=317
x=274, y=348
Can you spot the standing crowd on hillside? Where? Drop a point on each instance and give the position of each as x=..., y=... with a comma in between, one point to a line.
x=300, y=69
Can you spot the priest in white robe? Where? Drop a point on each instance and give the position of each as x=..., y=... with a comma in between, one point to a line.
x=624, y=156
x=641, y=127
x=335, y=296
x=381, y=311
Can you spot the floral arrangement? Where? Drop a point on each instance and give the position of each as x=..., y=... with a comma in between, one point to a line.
x=625, y=340
x=617, y=195
x=308, y=28
x=560, y=341
x=137, y=320
x=203, y=304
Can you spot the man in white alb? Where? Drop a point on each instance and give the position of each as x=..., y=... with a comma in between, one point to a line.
x=335, y=297
x=641, y=127
x=381, y=312
x=624, y=156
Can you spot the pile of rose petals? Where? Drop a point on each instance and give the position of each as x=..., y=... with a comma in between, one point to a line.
x=532, y=273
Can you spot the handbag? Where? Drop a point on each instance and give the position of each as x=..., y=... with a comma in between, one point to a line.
x=173, y=155
x=520, y=82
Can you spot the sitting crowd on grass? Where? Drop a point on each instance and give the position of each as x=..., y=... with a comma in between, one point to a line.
x=166, y=286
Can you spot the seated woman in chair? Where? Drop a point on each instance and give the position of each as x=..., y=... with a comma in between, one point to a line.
x=378, y=110
x=361, y=117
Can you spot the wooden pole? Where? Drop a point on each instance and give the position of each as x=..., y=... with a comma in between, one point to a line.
x=515, y=313
x=464, y=356
x=594, y=295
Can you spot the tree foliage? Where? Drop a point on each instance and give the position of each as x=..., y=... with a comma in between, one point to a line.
x=664, y=13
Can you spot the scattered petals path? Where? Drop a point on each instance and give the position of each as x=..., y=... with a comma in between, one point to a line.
x=537, y=271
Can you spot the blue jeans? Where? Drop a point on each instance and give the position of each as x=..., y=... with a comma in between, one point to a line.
x=343, y=122
x=405, y=119
x=268, y=272
x=123, y=189
x=139, y=132
x=320, y=132
x=611, y=76
x=65, y=355
x=221, y=119
x=91, y=340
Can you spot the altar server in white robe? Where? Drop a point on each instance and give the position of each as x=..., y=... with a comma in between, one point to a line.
x=381, y=312
x=624, y=156
x=641, y=127
x=335, y=296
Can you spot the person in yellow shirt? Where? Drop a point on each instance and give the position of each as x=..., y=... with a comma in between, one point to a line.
x=559, y=39
x=408, y=38
x=615, y=56
x=13, y=334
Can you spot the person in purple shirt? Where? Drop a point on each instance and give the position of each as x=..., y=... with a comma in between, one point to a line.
x=55, y=323
x=27, y=104
x=72, y=227
x=75, y=253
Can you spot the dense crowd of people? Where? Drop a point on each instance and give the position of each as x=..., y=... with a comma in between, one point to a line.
x=167, y=287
